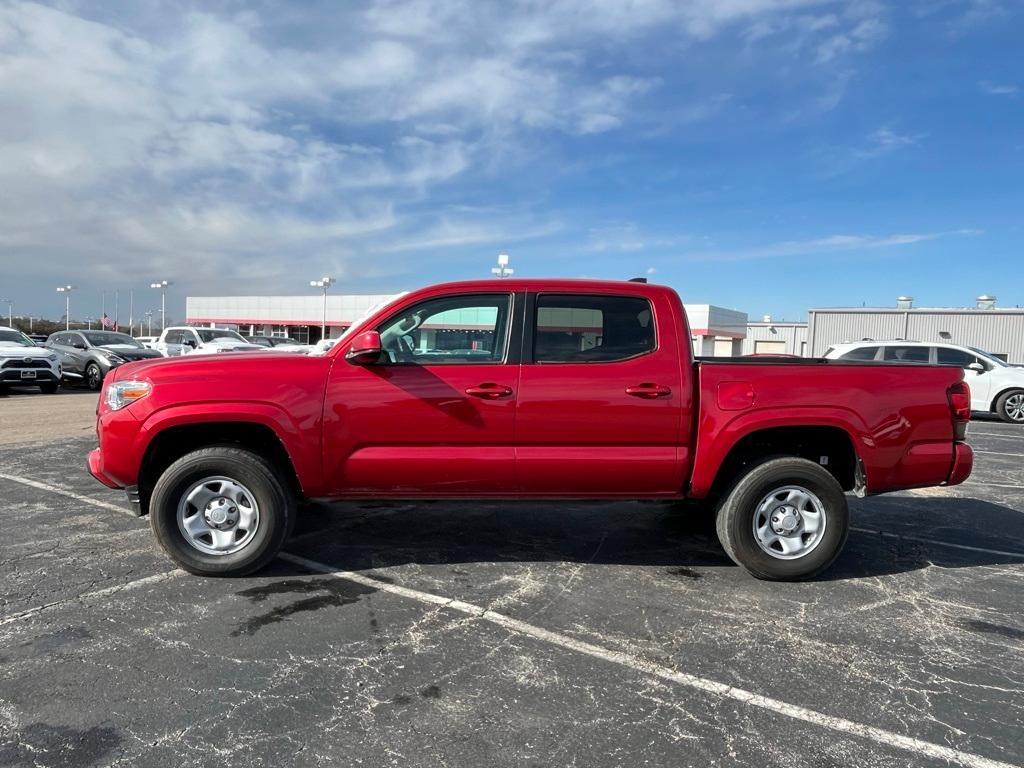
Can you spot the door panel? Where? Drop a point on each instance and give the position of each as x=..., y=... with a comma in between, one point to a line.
x=578, y=431
x=428, y=419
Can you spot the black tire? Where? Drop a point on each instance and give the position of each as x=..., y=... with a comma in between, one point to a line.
x=93, y=376
x=1009, y=405
x=734, y=519
x=265, y=482
x=50, y=388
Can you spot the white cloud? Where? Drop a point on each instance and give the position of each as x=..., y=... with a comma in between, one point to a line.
x=826, y=245
x=140, y=140
x=1000, y=89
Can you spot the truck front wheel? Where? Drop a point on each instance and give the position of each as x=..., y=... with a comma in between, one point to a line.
x=784, y=519
x=221, y=511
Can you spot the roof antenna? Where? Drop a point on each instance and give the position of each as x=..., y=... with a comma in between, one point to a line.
x=638, y=279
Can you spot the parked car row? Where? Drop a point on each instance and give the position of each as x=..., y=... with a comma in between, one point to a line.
x=87, y=356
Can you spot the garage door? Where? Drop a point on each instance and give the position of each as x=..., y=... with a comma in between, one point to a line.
x=770, y=347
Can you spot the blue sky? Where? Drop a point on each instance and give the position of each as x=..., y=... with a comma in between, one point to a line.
x=767, y=155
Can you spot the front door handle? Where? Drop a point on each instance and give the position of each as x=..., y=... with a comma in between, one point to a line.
x=489, y=391
x=648, y=391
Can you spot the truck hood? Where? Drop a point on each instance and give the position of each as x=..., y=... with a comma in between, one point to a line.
x=237, y=363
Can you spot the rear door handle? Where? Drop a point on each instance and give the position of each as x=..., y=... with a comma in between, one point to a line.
x=489, y=391
x=648, y=391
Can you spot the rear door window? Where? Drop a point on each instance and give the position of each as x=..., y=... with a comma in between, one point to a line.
x=906, y=354
x=860, y=353
x=592, y=329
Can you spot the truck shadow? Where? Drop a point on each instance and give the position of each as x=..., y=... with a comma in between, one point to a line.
x=365, y=536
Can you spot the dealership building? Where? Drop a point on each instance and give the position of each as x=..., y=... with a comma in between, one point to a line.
x=715, y=330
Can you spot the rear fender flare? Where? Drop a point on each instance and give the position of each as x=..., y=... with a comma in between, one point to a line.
x=713, y=451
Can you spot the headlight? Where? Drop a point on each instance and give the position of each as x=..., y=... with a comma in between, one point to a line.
x=122, y=393
x=51, y=358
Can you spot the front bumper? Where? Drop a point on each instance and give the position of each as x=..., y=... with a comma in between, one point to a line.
x=42, y=376
x=963, y=463
x=95, y=462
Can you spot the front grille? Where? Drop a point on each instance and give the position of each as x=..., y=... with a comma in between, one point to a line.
x=19, y=363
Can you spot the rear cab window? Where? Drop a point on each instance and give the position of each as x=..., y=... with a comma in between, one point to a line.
x=578, y=328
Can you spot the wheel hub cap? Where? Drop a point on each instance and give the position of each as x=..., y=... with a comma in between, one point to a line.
x=218, y=515
x=221, y=513
x=785, y=520
x=789, y=522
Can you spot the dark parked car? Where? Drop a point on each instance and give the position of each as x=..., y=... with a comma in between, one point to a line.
x=88, y=355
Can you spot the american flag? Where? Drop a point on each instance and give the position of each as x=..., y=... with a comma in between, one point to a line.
x=107, y=322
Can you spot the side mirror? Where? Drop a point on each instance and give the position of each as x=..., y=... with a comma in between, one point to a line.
x=365, y=349
x=190, y=343
x=976, y=367
x=78, y=345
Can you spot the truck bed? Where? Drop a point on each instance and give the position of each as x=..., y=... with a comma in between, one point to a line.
x=895, y=415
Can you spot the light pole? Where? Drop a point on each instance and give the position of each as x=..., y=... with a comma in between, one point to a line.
x=66, y=290
x=162, y=285
x=148, y=314
x=503, y=269
x=10, y=312
x=88, y=323
x=323, y=283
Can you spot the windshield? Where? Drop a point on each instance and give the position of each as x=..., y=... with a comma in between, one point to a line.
x=16, y=338
x=990, y=357
x=110, y=339
x=209, y=334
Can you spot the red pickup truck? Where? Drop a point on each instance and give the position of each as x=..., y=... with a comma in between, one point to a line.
x=515, y=389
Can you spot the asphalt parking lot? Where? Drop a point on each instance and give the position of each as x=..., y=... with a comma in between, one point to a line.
x=542, y=634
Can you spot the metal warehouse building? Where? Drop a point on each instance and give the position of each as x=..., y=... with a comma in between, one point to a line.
x=780, y=337
x=996, y=330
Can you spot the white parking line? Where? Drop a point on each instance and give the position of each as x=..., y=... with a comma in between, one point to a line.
x=1000, y=552
x=638, y=664
x=63, y=492
x=997, y=453
x=86, y=596
x=995, y=434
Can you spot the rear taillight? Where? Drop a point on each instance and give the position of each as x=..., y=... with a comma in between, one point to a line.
x=959, y=396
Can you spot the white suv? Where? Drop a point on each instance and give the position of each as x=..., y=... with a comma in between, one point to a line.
x=995, y=386
x=189, y=340
x=23, y=362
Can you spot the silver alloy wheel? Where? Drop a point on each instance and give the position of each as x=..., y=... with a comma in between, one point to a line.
x=1014, y=406
x=218, y=515
x=94, y=376
x=789, y=522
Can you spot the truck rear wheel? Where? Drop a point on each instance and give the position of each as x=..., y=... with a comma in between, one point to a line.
x=785, y=519
x=221, y=511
